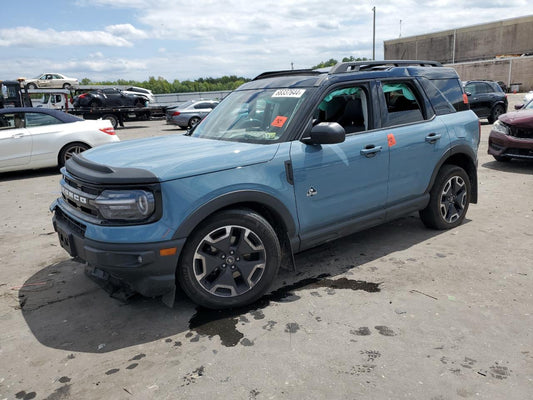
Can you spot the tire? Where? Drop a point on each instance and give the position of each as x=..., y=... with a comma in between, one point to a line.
x=32, y=86
x=182, y=126
x=449, y=199
x=67, y=86
x=139, y=104
x=502, y=158
x=495, y=113
x=230, y=260
x=193, y=122
x=69, y=150
x=112, y=118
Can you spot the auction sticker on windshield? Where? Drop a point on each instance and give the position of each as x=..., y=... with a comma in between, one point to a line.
x=289, y=93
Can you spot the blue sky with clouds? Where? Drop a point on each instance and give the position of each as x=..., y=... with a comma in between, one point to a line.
x=136, y=39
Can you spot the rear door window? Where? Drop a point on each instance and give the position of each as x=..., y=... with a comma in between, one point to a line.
x=402, y=104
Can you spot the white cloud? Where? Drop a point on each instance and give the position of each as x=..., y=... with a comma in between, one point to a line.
x=25, y=36
x=126, y=31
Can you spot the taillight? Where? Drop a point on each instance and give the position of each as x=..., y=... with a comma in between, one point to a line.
x=175, y=113
x=479, y=128
x=81, y=96
x=109, y=131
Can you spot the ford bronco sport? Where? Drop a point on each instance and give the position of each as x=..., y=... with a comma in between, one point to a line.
x=287, y=161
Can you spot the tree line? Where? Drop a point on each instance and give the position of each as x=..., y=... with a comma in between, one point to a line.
x=160, y=85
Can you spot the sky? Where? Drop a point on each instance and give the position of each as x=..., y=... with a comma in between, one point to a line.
x=137, y=39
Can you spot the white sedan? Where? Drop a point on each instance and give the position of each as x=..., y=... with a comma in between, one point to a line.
x=51, y=81
x=32, y=138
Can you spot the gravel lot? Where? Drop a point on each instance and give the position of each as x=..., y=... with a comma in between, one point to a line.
x=398, y=311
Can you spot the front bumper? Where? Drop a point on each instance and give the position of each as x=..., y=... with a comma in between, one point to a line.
x=146, y=268
x=508, y=146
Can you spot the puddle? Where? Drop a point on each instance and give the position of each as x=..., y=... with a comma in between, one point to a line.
x=223, y=323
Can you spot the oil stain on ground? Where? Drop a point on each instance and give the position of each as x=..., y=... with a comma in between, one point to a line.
x=223, y=323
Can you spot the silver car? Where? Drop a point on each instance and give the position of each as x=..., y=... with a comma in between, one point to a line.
x=51, y=81
x=190, y=113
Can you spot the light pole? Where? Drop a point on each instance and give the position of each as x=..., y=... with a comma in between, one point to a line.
x=374, y=34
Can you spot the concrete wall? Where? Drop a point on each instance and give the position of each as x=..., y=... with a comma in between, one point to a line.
x=510, y=70
x=173, y=98
x=479, y=42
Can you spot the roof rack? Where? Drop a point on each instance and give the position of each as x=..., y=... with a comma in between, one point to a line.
x=271, y=74
x=354, y=66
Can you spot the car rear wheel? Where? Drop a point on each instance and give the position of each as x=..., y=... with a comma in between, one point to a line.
x=69, y=150
x=496, y=112
x=32, y=86
x=111, y=118
x=194, y=121
x=95, y=103
x=449, y=199
x=67, y=86
x=230, y=260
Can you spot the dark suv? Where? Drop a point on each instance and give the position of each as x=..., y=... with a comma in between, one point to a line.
x=486, y=99
x=286, y=162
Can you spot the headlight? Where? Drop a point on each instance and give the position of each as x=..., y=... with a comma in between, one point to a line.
x=130, y=205
x=500, y=127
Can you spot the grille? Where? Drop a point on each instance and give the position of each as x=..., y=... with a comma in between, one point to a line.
x=521, y=133
x=79, y=196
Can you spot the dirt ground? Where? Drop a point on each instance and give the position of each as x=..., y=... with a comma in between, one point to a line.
x=398, y=311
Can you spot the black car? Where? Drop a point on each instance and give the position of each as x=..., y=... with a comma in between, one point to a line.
x=486, y=98
x=111, y=97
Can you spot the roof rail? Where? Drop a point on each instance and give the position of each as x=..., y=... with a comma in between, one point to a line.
x=354, y=66
x=271, y=74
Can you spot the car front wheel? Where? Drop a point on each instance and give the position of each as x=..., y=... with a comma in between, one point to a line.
x=230, y=260
x=449, y=199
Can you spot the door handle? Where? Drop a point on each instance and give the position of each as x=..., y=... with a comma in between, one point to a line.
x=17, y=135
x=370, y=150
x=433, y=137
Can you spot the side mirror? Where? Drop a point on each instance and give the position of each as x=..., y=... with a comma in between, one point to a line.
x=468, y=93
x=326, y=133
x=518, y=106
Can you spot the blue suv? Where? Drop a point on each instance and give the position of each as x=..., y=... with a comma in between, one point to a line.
x=286, y=162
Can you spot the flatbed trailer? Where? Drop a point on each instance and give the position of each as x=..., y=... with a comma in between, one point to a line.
x=116, y=115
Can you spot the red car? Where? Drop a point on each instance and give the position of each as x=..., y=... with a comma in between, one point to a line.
x=512, y=135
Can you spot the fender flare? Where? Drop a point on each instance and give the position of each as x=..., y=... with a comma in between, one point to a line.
x=268, y=201
x=471, y=169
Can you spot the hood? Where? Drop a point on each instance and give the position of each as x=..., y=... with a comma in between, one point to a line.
x=180, y=156
x=518, y=119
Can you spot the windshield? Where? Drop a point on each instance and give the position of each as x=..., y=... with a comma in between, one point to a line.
x=256, y=116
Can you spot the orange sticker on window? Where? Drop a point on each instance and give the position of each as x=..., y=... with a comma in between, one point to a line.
x=279, y=121
x=391, y=139
x=465, y=98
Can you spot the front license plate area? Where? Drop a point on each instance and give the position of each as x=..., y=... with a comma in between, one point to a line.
x=67, y=242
